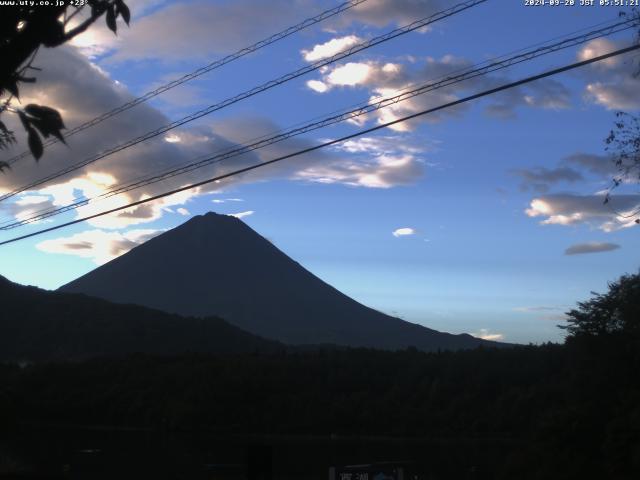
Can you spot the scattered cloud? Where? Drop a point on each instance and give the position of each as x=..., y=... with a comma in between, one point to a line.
x=330, y=48
x=349, y=74
x=372, y=162
x=382, y=171
x=403, y=232
x=317, y=86
x=67, y=72
x=591, y=247
x=32, y=200
x=98, y=245
x=569, y=209
x=611, y=83
x=183, y=211
x=485, y=334
x=388, y=79
x=596, y=48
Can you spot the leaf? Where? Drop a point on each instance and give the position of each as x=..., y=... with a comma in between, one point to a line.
x=42, y=127
x=26, y=123
x=111, y=19
x=48, y=114
x=123, y=11
x=58, y=135
x=47, y=120
x=3, y=127
x=35, y=144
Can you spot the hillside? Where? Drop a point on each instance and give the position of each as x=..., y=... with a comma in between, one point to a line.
x=37, y=324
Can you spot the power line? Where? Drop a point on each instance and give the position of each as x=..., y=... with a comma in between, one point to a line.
x=200, y=71
x=333, y=142
x=254, y=91
x=378, y=104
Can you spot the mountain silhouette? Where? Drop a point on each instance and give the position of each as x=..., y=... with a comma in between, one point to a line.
x=217, y=265
x=38, y=325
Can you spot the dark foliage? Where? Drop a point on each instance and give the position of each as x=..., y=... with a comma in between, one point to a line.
x=566, y=412
x=616, y=312
x=23, y=30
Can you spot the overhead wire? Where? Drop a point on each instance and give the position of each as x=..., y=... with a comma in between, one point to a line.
x=458, y=8
x=308, y=22
x=374, y=105
x=328, y=143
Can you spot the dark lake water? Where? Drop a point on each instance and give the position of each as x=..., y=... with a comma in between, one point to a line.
x=96, y=454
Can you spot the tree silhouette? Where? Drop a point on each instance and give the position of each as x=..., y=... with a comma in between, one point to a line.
x=614, y=312
x=23, y=30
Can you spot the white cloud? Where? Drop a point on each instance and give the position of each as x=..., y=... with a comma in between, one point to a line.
x=383, y=171
x=65, y=72
x=183, y=211
x=32, y=200
x=616, y=95
x=242, y=214
x=403, y=232
x=397, y=163
x=596, y=48
x=373, y=162
x=330, y=48
x=98, y=245
x=386, y=80
x=349, y=74
x=317, y=86
x=611, y=83
x=568, y=209
x=485, y=334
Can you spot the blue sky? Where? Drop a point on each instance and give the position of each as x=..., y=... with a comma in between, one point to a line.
x=461, y=221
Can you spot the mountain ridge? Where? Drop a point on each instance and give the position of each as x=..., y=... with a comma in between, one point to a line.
x=217, y=265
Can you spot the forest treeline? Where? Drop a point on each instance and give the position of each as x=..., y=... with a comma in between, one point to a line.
x=565, y=411
x=571, y=410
